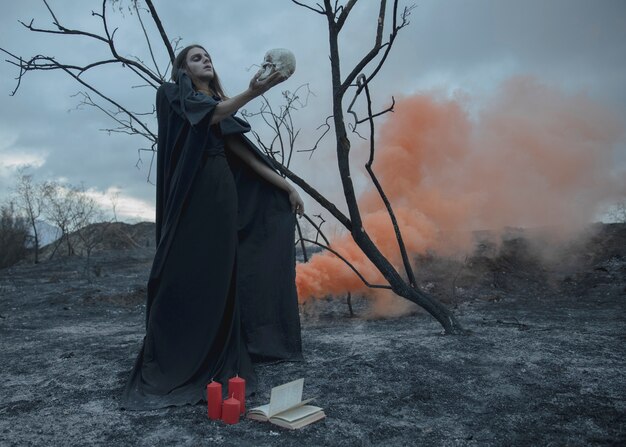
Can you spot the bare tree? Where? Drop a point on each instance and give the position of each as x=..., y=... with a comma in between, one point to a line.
x=87, y=225
x=75, y=214
x=114, y=198
x=29, y=197
x=78, y=216
x=58, y=210
x=13, y=236
x=353, y=86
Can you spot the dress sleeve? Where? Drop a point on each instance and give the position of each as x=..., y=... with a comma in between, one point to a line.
x=233, y=125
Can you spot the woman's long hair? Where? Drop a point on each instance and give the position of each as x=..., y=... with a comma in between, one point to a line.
x=180, y=63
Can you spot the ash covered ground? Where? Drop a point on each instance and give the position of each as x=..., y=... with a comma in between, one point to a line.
x=543, y=365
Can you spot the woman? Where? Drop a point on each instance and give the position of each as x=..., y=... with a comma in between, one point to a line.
x=221, y=292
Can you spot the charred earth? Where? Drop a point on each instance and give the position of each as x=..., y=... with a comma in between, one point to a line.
x=544, y=363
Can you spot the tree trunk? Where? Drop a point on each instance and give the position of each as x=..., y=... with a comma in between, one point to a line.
x=434, y=307
x=440, y=312
x=36, y=235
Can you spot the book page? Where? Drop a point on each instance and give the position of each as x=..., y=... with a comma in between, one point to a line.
x=297, y=413
x=263, y=409
x=285, y=396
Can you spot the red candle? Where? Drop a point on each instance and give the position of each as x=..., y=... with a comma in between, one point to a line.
x=237, y=389
x=230, y=411
x=214, y=400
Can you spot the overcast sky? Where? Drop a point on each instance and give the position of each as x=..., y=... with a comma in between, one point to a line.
x=451, y=46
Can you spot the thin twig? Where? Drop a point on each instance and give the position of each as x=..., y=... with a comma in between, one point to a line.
x=145, y=33
x=319, y=11
x=318, y=228
x=304, y=253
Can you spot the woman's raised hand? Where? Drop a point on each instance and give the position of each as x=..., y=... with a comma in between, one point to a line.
x=231, y=105
x=258, y=87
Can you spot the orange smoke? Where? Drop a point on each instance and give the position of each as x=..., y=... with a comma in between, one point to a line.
x=533, y=156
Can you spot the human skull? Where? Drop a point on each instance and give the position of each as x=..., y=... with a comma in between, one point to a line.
x=278, y=60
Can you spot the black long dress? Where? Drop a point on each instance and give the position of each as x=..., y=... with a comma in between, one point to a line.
x=221, y=292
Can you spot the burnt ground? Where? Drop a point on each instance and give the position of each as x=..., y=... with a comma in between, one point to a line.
x=543, y=365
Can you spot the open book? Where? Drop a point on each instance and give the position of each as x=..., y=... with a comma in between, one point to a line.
x=286, y=407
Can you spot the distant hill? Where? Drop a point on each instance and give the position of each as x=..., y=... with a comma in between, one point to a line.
x=105, y=236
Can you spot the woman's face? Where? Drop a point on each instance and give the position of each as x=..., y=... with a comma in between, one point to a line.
x=199, y=64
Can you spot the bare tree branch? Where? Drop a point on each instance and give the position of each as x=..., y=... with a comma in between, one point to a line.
x=152, y=152
x=378, y=45
x=321, y=137
x=304, y=253
x=361, y=79
x=345, y=11
x=396, y=228
x=130, y=114
x=373, y=52
x=159, y=25
x=360, y=84
x=375, y=115
x=392, y=37
x=317, y=227
x=148, y=42
x=280, y=123
x=125, y=126
x=315, y=195
x=131, y=63
x=352, y=267
x=319, y=11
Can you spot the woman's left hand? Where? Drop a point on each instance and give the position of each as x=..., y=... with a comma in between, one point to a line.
x=297, y=205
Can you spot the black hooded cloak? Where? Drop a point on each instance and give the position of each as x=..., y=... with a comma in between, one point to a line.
x=221, y=292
